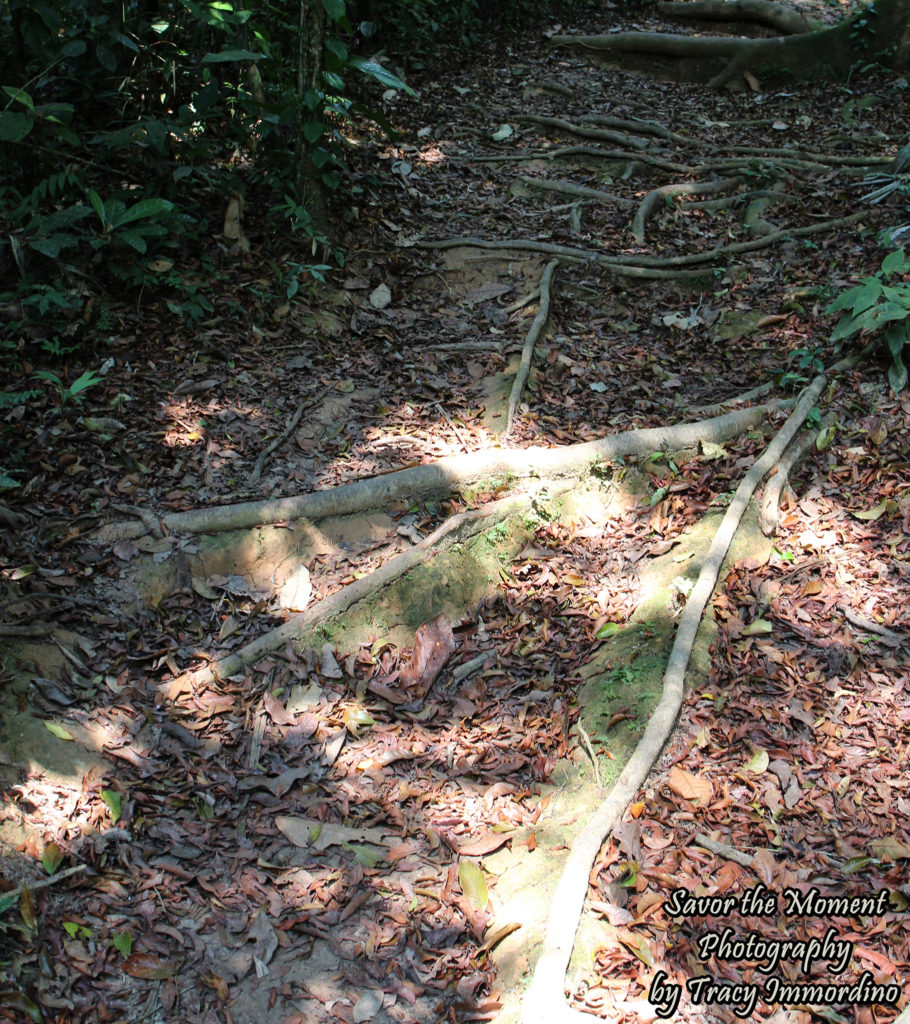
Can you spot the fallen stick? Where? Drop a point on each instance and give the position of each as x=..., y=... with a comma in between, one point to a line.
x=527, y=353
x=44, y=883
x=443, y=477
x=544, y=1002
x=283, y=436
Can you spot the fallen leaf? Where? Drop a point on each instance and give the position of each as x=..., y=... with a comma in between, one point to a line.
x=148, y=966
x=473, y=883
x=277, y=711
x=433, y=646
x=690, y=787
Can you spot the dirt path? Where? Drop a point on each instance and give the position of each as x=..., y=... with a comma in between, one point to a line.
x=331, y=826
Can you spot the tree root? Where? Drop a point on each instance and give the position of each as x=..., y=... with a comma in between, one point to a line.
x=768, y=516
x=569, y=188
x=658, y=196
x=658, y=266
x=545, y=1002
x=645, y=267
x=444, y=477
x=784, y=20
x=533, y=334
x=825, y=52
x=601, y=134
x=298, y=627
x=638, y=124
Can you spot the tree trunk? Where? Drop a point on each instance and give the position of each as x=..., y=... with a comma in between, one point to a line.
x=311, y=29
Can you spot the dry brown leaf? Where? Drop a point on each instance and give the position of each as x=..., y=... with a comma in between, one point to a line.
x=696, y=788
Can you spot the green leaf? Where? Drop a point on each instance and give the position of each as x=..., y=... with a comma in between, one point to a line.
x=334, y=9
x=312, y=131
x=97, y=206
x=473, y=883
x=134, y=240
x=146, y=208
x=337, y=47
x=74, y=48
x=58, y=730
x=897, y=374
x=14, y=126
x=896, y=337
x=363, y=855
x=825, y=437
x=8, y=900
x=51, y=858
x=225, y=56
x=20, y=95
x=658, y=495
x=758, y=627
x=607, y=630
x=894, y=263
x=123, y=943
x=846, y=326
x=53, y=245
x=114, y=801
x=382, y=75
x=333, y=81
x=105, y=58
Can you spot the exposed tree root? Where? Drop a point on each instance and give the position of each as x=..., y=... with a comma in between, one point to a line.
x=527, y=353
x=798, y=450
x=638, y=124
x=457, y=529
x=657, y=266
x=785, y=20
x=545, y=1002
x=646, y=267
x=569, y=188
x=443, y=477
x=583, y=132
x=656, y=199
x=747, y=396
x=825, y=52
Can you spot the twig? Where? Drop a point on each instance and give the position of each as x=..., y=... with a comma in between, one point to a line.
x=445, y=416
x=44, y=883
x=586, y=740
x=888, y=636
x=723, y=850
x=284, y=435
x=527, y=352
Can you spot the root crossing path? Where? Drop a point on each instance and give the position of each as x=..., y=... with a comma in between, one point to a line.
x=420, y=644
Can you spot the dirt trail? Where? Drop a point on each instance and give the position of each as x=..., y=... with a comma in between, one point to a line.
x=287, y=815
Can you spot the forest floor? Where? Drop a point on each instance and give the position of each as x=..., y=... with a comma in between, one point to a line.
x=345, y=830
